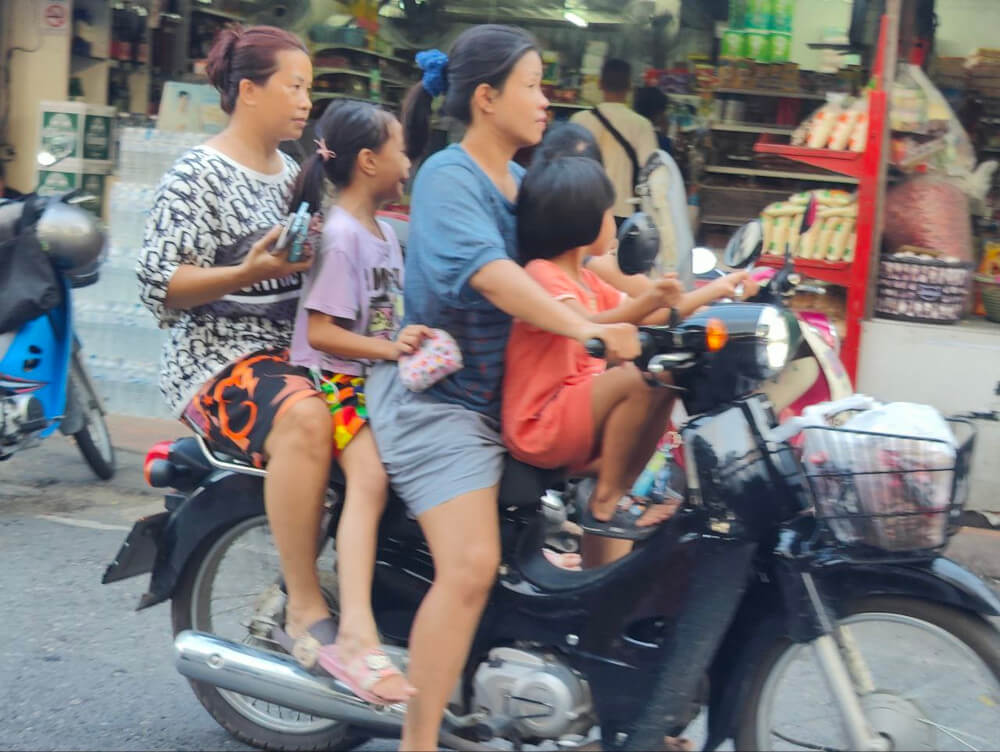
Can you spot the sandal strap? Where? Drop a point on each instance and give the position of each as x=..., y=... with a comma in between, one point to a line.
x=372, y=667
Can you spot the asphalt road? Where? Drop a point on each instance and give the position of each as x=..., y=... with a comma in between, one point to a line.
x=80, y=669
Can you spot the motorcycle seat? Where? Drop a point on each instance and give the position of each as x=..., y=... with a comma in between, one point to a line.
x=523, y=485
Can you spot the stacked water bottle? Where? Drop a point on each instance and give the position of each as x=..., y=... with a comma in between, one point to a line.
x=120, y=338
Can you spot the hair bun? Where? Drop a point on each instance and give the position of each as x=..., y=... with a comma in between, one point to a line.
x=220, y=57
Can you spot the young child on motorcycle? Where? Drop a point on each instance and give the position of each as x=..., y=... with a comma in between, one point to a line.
x=349, y=315
x=562, y=407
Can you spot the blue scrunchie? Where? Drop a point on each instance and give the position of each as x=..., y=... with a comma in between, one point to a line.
x=434, y=64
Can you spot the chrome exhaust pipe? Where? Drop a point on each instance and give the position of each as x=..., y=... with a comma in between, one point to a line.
x=278, y=679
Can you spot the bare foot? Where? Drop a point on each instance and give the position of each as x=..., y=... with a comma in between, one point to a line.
x=571, y=562
x=656, y=514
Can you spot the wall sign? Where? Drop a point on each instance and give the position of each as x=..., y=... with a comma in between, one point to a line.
x=55, y=17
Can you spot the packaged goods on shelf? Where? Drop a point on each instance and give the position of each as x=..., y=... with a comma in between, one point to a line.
x=832, y=236
x=840, y=124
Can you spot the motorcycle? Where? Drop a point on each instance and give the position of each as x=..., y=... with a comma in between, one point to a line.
x=48, y=246
x=720, y=609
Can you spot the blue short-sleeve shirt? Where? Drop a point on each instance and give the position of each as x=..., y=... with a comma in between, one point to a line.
x=459, y=223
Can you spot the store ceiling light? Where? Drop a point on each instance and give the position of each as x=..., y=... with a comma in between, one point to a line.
x=575, y=19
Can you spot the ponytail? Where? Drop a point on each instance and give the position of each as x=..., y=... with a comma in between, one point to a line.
x=310, y=185
x=483, y=54
x=417, y=120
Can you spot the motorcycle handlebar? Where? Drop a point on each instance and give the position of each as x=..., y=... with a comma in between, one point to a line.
x=596, y=349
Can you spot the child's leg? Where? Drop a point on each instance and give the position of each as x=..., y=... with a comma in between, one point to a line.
x=367, y=492
x=629, y=418
x=635, y=417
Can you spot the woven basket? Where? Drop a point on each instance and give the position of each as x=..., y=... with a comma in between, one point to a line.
x=989, y=288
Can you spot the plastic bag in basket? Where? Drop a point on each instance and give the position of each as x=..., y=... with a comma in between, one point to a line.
x=886, y=477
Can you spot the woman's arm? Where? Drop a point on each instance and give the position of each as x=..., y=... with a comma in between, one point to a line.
x=509, y=287
x=192, y=286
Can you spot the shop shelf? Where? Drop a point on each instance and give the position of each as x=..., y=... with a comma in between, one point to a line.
x=725, y=221
x=359, y=74
x=220, y=14
x=847, y=163
x=773, y=93
x=785, y=174
x=569, y=106
x=834, y=272
x=323, y=47
x=774, y=130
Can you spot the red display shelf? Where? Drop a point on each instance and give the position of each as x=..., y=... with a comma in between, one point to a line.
x=833, y=272
x=842, y=162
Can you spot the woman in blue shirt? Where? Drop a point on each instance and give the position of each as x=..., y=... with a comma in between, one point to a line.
x=442, y=448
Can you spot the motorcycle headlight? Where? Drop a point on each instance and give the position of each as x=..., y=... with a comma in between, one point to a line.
x=774, y=339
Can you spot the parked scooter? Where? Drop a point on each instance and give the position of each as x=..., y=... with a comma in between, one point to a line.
x=721, y=608
x=47, y=247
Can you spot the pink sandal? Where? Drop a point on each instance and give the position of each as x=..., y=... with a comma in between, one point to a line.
x=361, y=674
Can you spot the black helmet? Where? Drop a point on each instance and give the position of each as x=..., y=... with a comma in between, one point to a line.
x=638, y=244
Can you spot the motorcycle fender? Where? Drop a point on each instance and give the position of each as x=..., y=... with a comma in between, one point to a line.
x=939, y=580
x=766, y=612
x=224, y=500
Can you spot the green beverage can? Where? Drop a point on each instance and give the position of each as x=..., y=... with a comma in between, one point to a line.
x=782, y=15
x=733, y=44
x=781, y=47
x=737, y=14
x=758, y=15
x=758, y=46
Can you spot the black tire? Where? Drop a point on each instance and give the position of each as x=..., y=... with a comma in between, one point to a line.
x=978, y=634
x=339, y=737
x=94, y=439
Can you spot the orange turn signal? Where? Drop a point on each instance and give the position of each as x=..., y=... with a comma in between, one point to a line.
x=716, y=335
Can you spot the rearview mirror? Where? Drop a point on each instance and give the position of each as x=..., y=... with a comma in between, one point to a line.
x=745, y=246
x=703, y=261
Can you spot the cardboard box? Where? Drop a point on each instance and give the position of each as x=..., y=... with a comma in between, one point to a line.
x=89, y=175
x=77, y=130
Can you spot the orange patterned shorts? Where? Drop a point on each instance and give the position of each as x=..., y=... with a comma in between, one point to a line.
x=236, y=409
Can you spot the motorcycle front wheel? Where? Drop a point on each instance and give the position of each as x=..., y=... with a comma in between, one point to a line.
x=936, y=679
x=229, y=588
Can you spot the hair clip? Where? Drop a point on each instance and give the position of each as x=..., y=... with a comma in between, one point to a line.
x=323, y=150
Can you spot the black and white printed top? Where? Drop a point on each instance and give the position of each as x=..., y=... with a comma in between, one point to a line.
x=208, y=211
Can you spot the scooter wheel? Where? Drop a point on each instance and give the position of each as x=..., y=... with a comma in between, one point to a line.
x=94, y=439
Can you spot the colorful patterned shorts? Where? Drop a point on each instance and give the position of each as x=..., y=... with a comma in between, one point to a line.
x=236, y=409
x=345, y=396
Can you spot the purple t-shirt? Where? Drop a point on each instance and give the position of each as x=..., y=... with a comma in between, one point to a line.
x=358, y=278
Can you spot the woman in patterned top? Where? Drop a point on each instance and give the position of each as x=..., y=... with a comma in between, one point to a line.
x=208, y=273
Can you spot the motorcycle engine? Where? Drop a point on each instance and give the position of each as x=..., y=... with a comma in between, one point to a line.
x=537, y=695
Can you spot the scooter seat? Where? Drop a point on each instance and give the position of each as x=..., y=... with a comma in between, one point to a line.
x=523, y=485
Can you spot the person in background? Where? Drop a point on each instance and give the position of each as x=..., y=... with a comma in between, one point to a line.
x=651, y=103
x=6, y=192
x=626, y=138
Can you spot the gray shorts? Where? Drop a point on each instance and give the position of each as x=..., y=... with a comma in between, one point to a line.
x=433, y=451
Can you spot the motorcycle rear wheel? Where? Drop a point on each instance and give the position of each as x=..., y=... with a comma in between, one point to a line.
x=959, y=634
x=94, y=439
x=252, y=721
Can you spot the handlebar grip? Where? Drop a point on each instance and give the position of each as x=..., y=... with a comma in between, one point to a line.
x=595, y=348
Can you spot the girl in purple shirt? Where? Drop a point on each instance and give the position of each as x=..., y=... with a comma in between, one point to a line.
x=348, y=318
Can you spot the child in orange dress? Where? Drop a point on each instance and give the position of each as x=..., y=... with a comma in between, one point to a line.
x=562, y=407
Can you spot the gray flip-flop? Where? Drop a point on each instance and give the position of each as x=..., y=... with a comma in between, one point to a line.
x=305, y=649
